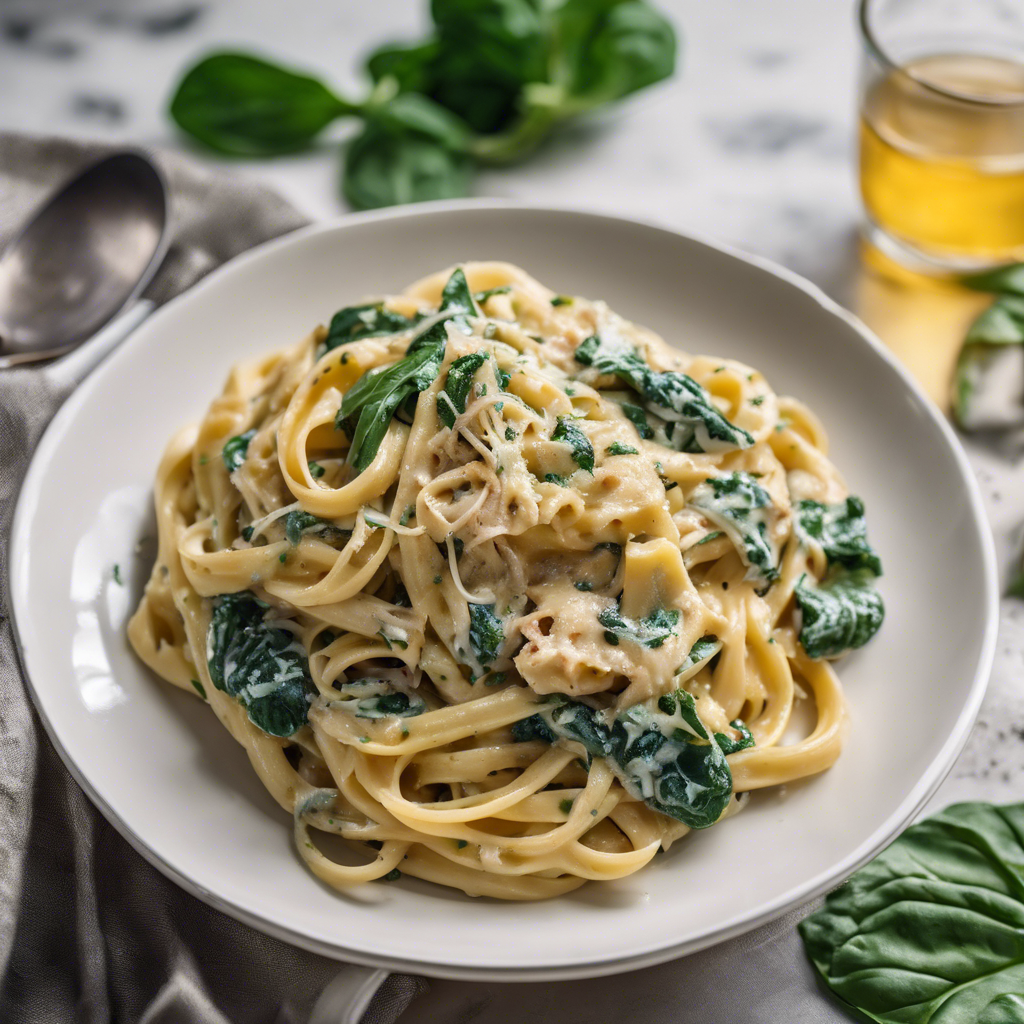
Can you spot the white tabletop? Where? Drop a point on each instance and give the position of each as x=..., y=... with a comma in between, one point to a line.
x=753, y=143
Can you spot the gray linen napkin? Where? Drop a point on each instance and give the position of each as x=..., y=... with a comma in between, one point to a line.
x=89, y=932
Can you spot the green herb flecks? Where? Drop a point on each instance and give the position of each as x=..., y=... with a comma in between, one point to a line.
x=486, y=633
x=651, y=631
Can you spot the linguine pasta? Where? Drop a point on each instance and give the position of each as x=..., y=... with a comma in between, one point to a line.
x=502, y=590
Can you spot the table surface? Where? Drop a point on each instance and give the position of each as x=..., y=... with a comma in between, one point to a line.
x=753, y=144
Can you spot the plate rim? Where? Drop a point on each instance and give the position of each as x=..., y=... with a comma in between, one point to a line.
x=794, y=898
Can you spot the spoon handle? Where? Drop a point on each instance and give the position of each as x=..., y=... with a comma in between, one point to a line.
x=77, y=365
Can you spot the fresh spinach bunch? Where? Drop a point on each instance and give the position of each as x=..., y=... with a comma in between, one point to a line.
x=491, y=81
x=933, y=928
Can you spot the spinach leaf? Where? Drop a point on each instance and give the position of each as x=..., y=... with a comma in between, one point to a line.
x=532, y=728
x=408, y=64
x=376, y=396
x=236, y=449
x=501, y=289
x=693, y=424
x=729, y=745
x=933, y=928
x=702, y=649
x=841, y=531
x=1006, y=280
x=299, y=522
x=616, y=448
x=244, y=106
x=387, y=168
x=376, y=699
x=369, y=321
x=456, y=296
x=651, y=631
x=451, y=402
x=264, y=667
x=636, y=416
x=582, y=450
x=840, y=613
x=989, y=375
x=738, y=505
x=663, y=756
x=610, y=49
x=486, y=633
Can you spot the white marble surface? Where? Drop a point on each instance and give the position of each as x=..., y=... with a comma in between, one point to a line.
x=753, y=143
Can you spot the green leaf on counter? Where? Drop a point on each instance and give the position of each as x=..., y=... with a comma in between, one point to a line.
x=931, y=930
x=1006, y=280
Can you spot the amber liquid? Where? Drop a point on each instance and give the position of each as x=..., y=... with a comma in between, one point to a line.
x=942, y=168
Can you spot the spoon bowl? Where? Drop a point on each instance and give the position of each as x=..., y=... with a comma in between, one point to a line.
x=82, y=257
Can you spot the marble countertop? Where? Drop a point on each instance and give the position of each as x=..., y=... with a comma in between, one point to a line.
x=752, y=144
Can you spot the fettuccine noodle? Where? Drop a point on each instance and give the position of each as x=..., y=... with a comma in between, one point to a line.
x=453, y=647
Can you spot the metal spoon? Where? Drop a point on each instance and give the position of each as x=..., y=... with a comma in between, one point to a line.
x=81, y=259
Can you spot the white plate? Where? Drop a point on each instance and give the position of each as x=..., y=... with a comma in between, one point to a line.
x=166, y=774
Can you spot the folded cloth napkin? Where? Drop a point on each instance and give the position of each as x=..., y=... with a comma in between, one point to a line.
x=89, y=931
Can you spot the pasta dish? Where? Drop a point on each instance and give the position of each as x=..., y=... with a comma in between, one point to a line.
x=502, y=590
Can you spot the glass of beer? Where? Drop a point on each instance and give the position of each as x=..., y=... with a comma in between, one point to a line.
x=942, y=132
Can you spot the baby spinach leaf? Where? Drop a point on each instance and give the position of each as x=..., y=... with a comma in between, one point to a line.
x=841, y=531
x=568, y=431
x=663, y=756
x=376, y=396
x=451, y=402
x=610, y=49
x=738, y=505
x=236, y=449
x=376, y=699
x=413, y=114
x=1006, y=280
x=456, y=296
x=651, y=631
x=730, y=745
x=840, y=613
x=386, y=168
x=692, y=423
x=354, y=322
x=244, y=106
x=264, y=667
x=933, y=928
x=408, y=64
x=486, y=633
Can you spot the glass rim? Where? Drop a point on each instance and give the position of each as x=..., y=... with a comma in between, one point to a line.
x=875, y=48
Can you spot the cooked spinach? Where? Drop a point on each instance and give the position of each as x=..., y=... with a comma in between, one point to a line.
x=691, y=421
x=369, y=405
x=316, y=470
x=702, y=649
x=486, y=633
x=651, y=631
x=730, y=745
x=451, y=402
x=299, y=522
x=739, y=506
x=567, y=431
x=664, y=756
x=532, y=728
x=636, y=416
x=263, y=666
x=933, y=928
x=236, y=449
x=501, y=289
x=376, y=699
x=841, y=531
x=840, y=613
x=493, y=79
x=354, y=322
x=617, y=448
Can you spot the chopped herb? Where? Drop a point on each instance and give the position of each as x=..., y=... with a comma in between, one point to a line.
x=496, y=679
x=758, y=400
x=561, y=300
x=437, y=579
x=117, y=575
x=461, y=844
x=203, y=459
x=486, y=634
x=584, y=585
x=392, y=641
x=316, y=470
x=283, y=557
x=199, y=688
x=565, y=806
x=393, y=875
x=554, y=478
x=482, y=297
x=510, y=434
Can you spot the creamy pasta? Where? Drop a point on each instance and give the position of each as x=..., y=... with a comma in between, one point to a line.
x=502, y=590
